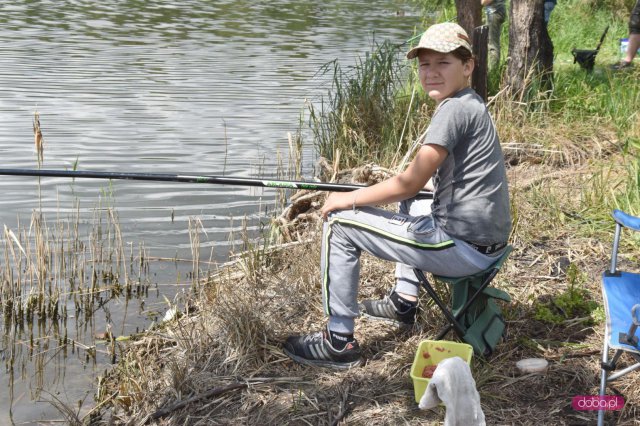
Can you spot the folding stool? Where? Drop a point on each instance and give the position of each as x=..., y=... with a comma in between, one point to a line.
x=474, y=315
x=621, y=296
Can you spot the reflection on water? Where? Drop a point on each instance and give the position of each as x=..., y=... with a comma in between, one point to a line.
x=154, y=86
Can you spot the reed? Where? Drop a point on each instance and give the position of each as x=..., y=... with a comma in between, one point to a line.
x=44, y=264
x=38, y=138
x=51, y=272
x=369, y=112
x=195, y=228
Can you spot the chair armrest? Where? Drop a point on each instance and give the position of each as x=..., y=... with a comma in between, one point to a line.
x=626, y=220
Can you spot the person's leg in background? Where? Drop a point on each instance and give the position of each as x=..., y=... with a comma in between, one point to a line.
x=496, y=14
x=632, y=49
x=549, y=5
x=634, y=33
x=634, y=39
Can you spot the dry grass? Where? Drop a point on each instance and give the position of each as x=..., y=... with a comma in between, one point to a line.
x=236, y=333
x=224, y=361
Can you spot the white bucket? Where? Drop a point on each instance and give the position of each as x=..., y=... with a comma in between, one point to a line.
x=624, y=44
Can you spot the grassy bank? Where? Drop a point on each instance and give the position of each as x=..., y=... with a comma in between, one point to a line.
x=572, y=156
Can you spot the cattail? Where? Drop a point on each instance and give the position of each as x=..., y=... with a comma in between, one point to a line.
x=38, y=139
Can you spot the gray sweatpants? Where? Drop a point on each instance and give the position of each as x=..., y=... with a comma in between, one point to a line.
x=409, y=238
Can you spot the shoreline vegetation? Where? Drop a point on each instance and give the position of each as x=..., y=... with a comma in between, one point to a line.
x=572, y=155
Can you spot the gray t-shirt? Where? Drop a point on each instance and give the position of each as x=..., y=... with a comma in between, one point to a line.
x=471, y=197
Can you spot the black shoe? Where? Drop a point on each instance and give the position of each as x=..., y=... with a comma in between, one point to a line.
x=315, y=349
x=386, y=310
x=622, y=65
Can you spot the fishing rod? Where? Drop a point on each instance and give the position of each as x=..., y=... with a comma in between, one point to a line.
x=208, y=179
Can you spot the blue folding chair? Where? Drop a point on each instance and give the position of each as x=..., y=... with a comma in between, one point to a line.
x=621, y=294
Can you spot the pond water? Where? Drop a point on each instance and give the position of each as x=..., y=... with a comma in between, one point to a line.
x=209, y=87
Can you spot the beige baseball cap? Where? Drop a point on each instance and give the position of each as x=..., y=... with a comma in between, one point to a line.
x=443, y=38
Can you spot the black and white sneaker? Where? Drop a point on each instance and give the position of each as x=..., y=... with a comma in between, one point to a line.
x=401, y=313
x=315, y=349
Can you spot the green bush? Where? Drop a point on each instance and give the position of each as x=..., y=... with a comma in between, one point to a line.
x=573, y=303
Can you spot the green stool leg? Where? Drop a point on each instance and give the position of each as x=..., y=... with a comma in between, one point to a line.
x=475, y=317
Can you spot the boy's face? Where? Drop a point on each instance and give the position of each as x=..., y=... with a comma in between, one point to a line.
x=442, y=74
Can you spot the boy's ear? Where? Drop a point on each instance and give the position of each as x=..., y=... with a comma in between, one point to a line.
x=467, y=67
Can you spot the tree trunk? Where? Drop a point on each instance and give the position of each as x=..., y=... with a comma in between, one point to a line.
x=469, y=15
x=530, y=47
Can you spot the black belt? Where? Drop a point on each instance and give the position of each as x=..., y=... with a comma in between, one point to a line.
x=488, y=249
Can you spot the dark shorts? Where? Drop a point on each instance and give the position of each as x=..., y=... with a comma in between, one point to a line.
x=634, y=21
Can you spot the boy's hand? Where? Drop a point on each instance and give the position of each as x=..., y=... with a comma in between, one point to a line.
x=337, y=201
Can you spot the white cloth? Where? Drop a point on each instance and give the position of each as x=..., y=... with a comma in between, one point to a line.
x=453, y=385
